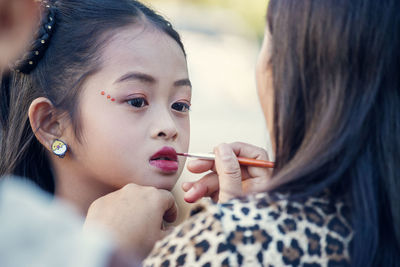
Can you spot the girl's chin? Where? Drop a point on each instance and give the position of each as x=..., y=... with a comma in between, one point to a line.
x=163, y=182
x=166, y=186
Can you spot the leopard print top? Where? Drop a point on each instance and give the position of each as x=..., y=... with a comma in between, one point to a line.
x=256, y=231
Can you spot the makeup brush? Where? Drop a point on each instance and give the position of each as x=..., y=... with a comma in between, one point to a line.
x=242, y=161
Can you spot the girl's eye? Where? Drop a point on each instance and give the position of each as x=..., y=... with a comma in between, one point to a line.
x=138, y=102
x=181, y=106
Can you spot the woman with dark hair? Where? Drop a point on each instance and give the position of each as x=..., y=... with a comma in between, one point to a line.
x=329, y=85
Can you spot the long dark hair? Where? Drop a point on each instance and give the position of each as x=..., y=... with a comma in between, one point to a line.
x=336, y=71
x=78, y=31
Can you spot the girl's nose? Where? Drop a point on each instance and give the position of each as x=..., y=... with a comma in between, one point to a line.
x=165, y=130
x=167, y=134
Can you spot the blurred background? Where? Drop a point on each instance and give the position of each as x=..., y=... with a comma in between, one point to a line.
x=222, y=39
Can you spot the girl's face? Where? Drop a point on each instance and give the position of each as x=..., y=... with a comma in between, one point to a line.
x=134, y=112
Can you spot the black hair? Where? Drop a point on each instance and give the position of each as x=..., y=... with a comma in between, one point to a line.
x=69, y=54
x=336, y=66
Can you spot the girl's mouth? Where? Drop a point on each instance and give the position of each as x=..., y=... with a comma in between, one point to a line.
x=165, y=159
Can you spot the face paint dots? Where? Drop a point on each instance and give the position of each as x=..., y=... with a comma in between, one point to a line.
x=108, y=96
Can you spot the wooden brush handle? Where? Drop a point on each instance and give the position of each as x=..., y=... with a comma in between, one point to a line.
x=255, y=162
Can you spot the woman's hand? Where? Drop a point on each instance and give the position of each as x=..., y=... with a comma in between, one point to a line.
x=134, y=215
x=227, y=178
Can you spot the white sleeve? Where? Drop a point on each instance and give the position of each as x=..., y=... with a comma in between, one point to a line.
x=37, y=231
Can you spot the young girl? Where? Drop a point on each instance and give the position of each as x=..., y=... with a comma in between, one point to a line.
x=101, y=100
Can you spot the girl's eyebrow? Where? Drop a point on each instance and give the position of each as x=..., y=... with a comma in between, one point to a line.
x=183, y=82
x=132, y=76
x=142, y=77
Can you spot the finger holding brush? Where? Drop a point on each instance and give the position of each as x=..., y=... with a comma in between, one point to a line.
x=227, y=178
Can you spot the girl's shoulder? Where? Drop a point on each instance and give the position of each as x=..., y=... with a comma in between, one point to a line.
x=258, y=230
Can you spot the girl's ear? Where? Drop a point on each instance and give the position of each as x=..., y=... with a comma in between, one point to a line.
x=45, y=122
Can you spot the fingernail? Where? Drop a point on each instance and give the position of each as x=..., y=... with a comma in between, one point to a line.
x=186, y=186
x=190, y=193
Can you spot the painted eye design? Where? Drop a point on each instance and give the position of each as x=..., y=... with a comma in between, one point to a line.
x=138, y=102
x=181, y=106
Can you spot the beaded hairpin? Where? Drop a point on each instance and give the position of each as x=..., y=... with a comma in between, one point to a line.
x=38, y=47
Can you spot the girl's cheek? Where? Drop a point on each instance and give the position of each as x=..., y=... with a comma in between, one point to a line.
x=185, y=131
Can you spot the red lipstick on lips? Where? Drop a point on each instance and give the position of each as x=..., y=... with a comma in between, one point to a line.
x=165, y=159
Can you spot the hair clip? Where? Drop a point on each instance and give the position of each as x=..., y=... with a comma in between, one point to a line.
x=38, y=47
